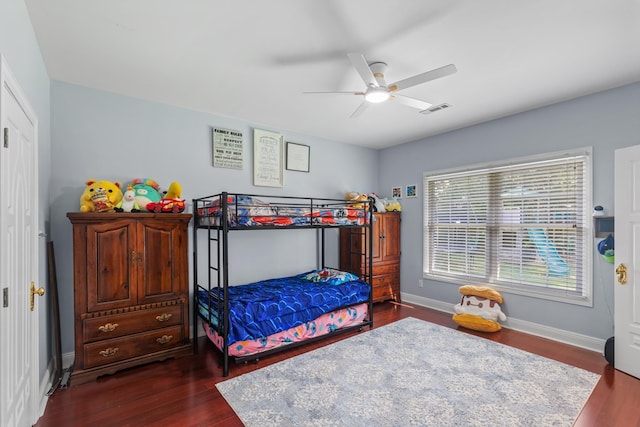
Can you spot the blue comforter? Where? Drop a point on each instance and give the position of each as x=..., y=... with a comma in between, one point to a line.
x=267, y=307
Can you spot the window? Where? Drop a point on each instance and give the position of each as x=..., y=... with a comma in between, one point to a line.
x=520, y=227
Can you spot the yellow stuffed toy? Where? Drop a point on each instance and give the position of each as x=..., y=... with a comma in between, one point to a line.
x=357, y=197
x=100, y=196
x=479, y=309
x=174, y=191
x=392, y=205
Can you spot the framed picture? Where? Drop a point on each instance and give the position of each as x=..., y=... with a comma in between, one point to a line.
x=411, y=190
x=396, y=192
x=267, y=159
x=227, y=148
x=297, y=157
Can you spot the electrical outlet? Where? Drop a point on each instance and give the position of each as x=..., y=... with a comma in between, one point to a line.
x=420, y=283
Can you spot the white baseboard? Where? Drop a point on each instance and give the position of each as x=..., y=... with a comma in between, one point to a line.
x=45, y=386
x=567, y=337
x=67, y=360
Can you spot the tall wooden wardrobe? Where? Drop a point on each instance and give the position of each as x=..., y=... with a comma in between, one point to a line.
x=385, y=255
x=131, y=290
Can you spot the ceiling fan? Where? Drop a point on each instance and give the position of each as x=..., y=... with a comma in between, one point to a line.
x=379, y=91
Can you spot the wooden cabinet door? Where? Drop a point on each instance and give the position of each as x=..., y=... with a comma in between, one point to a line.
x=163, y=264
x=391, y=238
x=377, y=233
x=110, y=265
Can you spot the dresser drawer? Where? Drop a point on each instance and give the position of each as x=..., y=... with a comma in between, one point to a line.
x=118, y=325
x=114, y=350
x=386, y=269
x=386, y=287
x=386, y=280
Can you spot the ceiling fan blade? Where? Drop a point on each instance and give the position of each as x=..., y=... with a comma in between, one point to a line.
x=359, y=110
x=361, y=66
x=424, y=77
x=411, y=102
x=333, y=93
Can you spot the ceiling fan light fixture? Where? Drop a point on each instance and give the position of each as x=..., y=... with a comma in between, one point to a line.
x=376, y=95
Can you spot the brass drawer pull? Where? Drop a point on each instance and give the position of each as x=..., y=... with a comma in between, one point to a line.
x=164, y=339
x=109, y=327
x=111, y=351
x=164, y=317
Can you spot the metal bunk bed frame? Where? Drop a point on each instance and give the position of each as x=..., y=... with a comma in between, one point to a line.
x=218, y=266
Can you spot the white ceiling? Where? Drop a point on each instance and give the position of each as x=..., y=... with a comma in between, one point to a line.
x=253, y=59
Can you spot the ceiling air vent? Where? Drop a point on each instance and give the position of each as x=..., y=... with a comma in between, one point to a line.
x=435, y=108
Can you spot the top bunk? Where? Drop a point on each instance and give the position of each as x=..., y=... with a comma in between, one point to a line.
x=235, y=211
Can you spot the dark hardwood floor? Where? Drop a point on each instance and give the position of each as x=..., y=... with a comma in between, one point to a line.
x=182, y=392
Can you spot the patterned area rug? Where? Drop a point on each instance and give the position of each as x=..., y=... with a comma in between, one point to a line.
x=411, y=372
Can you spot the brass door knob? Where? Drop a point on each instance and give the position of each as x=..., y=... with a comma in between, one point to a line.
x=34, y=292
x=621, y=273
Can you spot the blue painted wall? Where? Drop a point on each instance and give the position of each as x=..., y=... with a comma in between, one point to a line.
x=107, y=136
x=605, y=121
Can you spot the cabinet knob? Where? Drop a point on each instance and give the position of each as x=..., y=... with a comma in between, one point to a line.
x=164, y=317
x=111, y=351
x=136, y=257
x=164, y=339
x=109, y=327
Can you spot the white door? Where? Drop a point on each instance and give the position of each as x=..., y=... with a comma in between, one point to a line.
x=19, y=352
x=627, y=251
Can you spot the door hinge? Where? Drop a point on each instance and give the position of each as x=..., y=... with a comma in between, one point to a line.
x=6, y=137
x=5, y=297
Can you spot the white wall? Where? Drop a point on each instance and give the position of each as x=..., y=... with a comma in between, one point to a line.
x=605, y=121
x=107, y=136
x=22, y=53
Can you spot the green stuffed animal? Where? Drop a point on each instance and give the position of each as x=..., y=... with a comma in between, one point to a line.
x=100, y=196
x=147, y=191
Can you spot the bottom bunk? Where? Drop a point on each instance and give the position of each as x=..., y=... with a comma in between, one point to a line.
x=275, y=314
x=323, y=325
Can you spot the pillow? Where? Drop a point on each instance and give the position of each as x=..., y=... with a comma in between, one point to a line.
x=330, y=276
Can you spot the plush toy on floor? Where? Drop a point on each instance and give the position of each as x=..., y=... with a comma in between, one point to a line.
x=479, y=309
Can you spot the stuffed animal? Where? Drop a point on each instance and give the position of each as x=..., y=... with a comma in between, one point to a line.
x=479, y=309
x=147, y=191
x=378, y=203
x=128, y=202
x=357, y=197
x=171, y=202
x=100, y=196
x=174, y=191
x=392, y=205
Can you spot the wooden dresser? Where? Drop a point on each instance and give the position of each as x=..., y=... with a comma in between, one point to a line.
x=385, y=256
x=131, y=290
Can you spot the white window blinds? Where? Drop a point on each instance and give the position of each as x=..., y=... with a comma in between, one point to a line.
x=521, y=226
